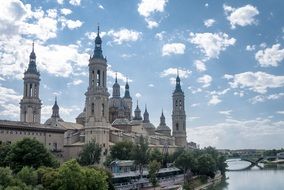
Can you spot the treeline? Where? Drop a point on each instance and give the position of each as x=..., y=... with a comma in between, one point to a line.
x=28, y=165
x=202, y=162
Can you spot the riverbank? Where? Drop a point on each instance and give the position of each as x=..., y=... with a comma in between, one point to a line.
x=210, y=182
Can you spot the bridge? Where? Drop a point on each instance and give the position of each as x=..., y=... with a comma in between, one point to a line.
x=253, y=162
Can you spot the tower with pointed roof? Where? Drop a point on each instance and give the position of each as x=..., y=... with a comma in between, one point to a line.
x=178, y=115
x=127, y=101
x=137, y=113
x=146, y=115
x=163, y=128
x=97, y=103
x=30, y=104
x=55, y=117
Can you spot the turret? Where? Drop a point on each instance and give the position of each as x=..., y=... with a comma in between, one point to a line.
x=30, y=104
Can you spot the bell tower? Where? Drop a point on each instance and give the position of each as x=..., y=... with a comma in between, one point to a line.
x=178, y=115
x=30, y=104
x=97, y=103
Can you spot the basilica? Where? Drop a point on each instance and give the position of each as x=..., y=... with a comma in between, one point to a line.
x=105, y=119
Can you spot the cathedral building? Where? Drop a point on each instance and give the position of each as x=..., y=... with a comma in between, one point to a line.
x=105, y=119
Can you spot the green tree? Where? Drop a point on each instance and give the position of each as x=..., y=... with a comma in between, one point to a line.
x=91, y=154
x=71, y=176
x=121, y=150
x=176, y=154
x=221, y=164
x=4, y=149
x=154, y=167
x=28, y=176
x=186, y=162
x=49, y=178
x=155, y=154
x=140, y=154
x=95, y=179
x=206, y=165
x=29, y=152
x=6, y=177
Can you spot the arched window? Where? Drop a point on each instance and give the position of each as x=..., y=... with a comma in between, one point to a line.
x=31, y=90
x=35, y=91
x=93, y=108
x=98, y=78
x=103, y=110
x=180, y=104
x=176, y=103
x=177, y=126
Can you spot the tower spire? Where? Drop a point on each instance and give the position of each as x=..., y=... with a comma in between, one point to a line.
x=33, y=46
x=115, y=77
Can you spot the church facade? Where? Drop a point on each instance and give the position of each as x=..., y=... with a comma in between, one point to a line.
x=105, y=119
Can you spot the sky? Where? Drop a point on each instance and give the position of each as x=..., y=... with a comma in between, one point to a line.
x=229, y=55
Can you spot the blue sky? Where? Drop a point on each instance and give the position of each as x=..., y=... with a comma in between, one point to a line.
x=229, y=54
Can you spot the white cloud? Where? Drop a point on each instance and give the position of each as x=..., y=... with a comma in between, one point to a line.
x=183, y=73
x=151, y=23
x=65, y=11
x=113, y=74
x=75, y=2
x=138, y=95
x=226, y=112
x=240, y=134
x=54, y=59
x=173, y=48
x=257, y=82
x=214, y=100
x=151, y=85
x=9, y=103
x=280, y=112
x=60, y=2
x=264, y=98
x=242, y=16
x=125, y=55
x=211, y=44
x=160, y=35
x=100, y=6
x=147, y=8
x=199, y=65
x=71, y=24
x=124, y=35
x=75, y=82
x=270, y=56
x=205, y=80
x=250, y=47
x=209, y=22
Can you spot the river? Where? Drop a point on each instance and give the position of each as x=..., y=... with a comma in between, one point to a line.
x=254, y=179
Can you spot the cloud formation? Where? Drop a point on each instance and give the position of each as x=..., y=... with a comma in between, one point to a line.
x=258, y=82
x=173, y=48
x=270, y=56
x=211, y=44
x=242, y=16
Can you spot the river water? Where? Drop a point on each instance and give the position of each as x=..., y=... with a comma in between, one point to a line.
x=254, y=179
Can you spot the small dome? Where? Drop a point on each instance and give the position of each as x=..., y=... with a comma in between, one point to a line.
x=163, y=128
x=148, y=126
x=120, y=121
x=81, y=115
x=52, y=121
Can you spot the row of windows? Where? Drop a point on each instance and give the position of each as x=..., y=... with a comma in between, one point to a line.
x=21, y=133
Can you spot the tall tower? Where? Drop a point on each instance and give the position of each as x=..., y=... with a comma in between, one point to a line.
x=178, y=115
x=97, y=105
x=128, y=101
x=30, y=103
